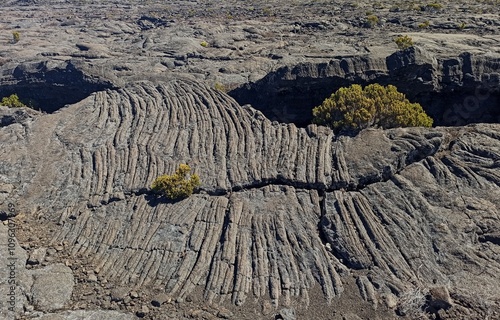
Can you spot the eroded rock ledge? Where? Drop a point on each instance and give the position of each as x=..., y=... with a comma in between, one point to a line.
x=454, y=90
x=394, y=210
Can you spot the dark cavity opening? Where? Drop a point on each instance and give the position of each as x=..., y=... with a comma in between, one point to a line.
x=47, y=87
x=454, y=92
x=493, y=238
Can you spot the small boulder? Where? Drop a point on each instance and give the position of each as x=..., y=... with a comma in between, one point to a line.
x=37, y=256
x=119, y=293
x=160, y=299
x=92, y=278
x=286, y=314
x=52, y=287
x=439, y=298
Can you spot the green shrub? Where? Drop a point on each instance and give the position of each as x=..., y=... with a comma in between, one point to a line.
x=16, y=37
x=404, y=42
x=424, y=25
x=434, y=6
x=371, y=21
x=178, y=185
x=12, y=101
x=204, y=44
x=355, y=108
x=267, y=11
x=220, y=87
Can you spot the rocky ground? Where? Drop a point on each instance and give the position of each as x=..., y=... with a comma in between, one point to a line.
x=291, y=222
x=262, y=53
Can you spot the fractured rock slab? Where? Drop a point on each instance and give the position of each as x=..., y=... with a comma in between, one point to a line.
x=52, y=287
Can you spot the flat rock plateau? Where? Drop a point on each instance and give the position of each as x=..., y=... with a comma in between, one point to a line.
x=291, y=221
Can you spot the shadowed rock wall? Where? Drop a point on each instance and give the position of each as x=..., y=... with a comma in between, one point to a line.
x=453, y=91
x=49, y=86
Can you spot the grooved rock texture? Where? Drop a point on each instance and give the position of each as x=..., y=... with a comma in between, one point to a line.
x=290, y=223
x=281, y=210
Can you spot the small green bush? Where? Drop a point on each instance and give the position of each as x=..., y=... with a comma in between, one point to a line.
x=424, y=25
x=220, y=87
x=204, y=44
x=404, y=42
x=267, y=11
x=16, y=37
x=178, y=185
x=434, y=6
x=355, y=108
x=12, y=101
x=371, y=21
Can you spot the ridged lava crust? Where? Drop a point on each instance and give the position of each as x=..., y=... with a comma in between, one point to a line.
x=281, y=209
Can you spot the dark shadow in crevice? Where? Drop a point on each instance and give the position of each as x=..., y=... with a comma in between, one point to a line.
x=493, y=238
x=48, y=88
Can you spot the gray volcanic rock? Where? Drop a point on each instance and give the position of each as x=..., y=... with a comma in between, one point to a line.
x=52, y=287
x=88, y=315
x=290, y=221
x=281, y=209
x=111, y=44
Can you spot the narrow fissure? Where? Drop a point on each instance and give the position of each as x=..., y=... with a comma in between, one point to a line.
x=320, y=187
x=154, y=199
x=321, y=233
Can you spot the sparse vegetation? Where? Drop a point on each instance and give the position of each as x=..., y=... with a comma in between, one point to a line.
x=462, y=26
x=204, y=44
x=424, y=25
x=12, y=101
x=16, y=36
x=220, y=87
x=411, y=304
x=354, y=108
x=434, y=6
x=371, y=21
x=267, y=11
x=177, y=186
x=404, y=42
